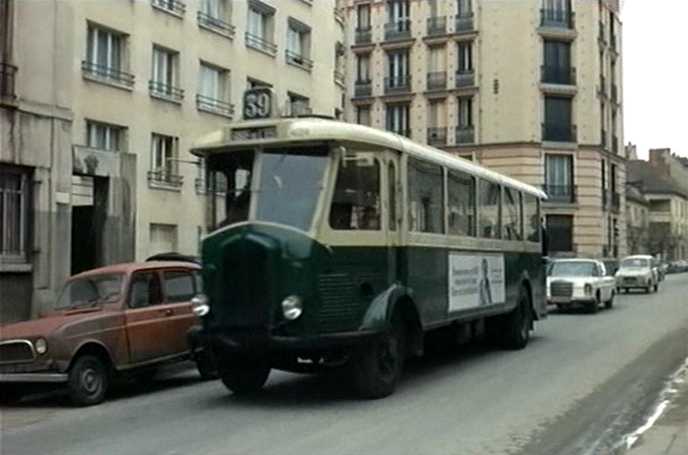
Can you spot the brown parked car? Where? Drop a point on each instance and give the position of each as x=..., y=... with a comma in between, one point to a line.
x=125, y=319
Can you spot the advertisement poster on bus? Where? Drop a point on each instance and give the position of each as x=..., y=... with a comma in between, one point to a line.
x=475, y=280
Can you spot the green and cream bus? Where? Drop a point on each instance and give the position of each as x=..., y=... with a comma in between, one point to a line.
x=338, y=245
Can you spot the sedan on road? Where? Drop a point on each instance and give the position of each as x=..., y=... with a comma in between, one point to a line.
x=637, y=272
x=579, y=282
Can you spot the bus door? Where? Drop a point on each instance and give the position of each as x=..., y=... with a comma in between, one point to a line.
x=393, y=209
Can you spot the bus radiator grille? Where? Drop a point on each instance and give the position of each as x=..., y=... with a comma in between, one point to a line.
x=339, y=306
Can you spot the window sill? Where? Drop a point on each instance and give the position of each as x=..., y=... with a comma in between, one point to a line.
x=303, y=66
x=155, y=185
x=18, y=267
x=218, y=112
x=168, y=98
x=255, y=47
x=217, y=31
x=107, y=81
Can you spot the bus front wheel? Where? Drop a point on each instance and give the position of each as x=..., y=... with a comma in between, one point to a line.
x=245, y=377
x=378, y=366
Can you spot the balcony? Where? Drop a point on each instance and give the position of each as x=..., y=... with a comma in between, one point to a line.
x=560, y=193
x=437, y=26
x=299, y=60
x=397, y=85
x=557, y=19
x=464, y=23
x=552, y=74
x=107, y=74
x=260, y=44
x=363, y=89
x=174, y=7
x=464, y=78
x=554, y=132
x=165, y=178
x=215, y=24
x=437, y=136
x=214, y=106
x=363, y=35
x=166, y=92
x=464, y=134
x=398, y=30
x=7, y=74
x=437, y=80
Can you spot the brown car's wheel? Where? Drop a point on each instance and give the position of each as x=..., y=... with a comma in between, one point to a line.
x=89, y=379
x=245, y=377
x=377, y=366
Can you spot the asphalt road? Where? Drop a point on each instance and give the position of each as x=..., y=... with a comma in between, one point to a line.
x=582, y=383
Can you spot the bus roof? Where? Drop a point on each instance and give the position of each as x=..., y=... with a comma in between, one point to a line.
x=308, y=129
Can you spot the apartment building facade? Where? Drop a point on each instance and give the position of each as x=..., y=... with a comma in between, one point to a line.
x=136, y=83
x=530, y=88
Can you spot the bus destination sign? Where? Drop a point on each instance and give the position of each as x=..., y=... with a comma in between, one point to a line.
x=257, y=103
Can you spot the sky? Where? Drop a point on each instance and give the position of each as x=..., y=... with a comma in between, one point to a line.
x=655, y=66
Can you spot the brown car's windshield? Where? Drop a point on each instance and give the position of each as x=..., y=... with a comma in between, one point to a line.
x=90, y=291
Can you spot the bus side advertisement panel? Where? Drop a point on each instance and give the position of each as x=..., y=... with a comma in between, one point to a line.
x=475, y=280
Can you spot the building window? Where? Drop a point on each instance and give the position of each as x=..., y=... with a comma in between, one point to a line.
x=466, y=57
x=15, y=206
x=363, y=68
x=176, y=7
x=212, y=90
x=356, y=204
x=398, y=73
x=105, y=56
x=103, y=136
x=531, y=216
x=165, y=75
x=490, y=209
x=363, y=115
x=465, y=131
x=298, y=105
x=363, y=17
x=397, y=119
x=426, y=197
x=559, y=233
x=464, y=8
x=163, y=238
x=299, y=45
x=214, y=16
x=558, y=126
x=252, y=83
x=557, y=63
x=461, y=191
x=260, y=27
x=511, y=227
x=559, y=178
x=164, y=161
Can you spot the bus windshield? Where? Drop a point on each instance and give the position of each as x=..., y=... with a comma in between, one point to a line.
x=288, y=185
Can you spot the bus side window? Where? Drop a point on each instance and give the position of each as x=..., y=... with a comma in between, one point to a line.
x=490, y=209
x=511, y=214
x=356, y=202
x=426, y=197
x=392, y=187
x=531, y=218
x=461, y=195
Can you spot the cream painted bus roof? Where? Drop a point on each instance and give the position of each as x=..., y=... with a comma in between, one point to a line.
x=299, y=130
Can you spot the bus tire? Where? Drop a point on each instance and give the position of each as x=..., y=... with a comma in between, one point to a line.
x=378, y=365
x=206, y=366
x=517, y=324
x=245, y=378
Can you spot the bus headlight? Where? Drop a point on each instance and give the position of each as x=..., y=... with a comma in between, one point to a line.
x=199, y=305
x=588, y=289
x=41, y=346
x=292, y=307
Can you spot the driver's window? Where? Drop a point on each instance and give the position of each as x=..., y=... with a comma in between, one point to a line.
x=356, y=201
x=145, y=290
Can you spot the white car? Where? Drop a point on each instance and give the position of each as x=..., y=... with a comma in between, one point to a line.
x=637, y=272
x=580, y=282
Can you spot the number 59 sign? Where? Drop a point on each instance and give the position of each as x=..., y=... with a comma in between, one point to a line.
x=257, y=103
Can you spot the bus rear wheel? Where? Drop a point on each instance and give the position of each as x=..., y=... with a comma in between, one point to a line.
x=378, y=366
x=515, y=327
x=245, y=377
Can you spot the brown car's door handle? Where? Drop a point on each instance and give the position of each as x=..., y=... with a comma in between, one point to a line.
x=169, y=312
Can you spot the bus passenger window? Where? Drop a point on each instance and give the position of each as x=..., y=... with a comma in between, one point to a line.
x=512, y=215
x=489, y=203
x=530, y=215
x=426, y=197
x=392, y=186
x=461, y=189
x=356, y=202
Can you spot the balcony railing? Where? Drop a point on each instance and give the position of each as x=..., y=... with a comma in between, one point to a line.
x=299, y=60
x=363, y=88
x=555, y=132
x=437, y=136
x=214, y=106
x=166, y=178
x=107, y=73
x=261, y=44
x=464, y=78
x=464, y=23
x=616, y=200
x=171, y=6
x=397, y=84
x=552, y=74
x=363, y=35
x=437, y=80
x=7, y=73
x=398, y=30
x=557, y=18
x=560, y=193
x=464, y=134
x=166, y=91
x=215, y=24
x=437, y=26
